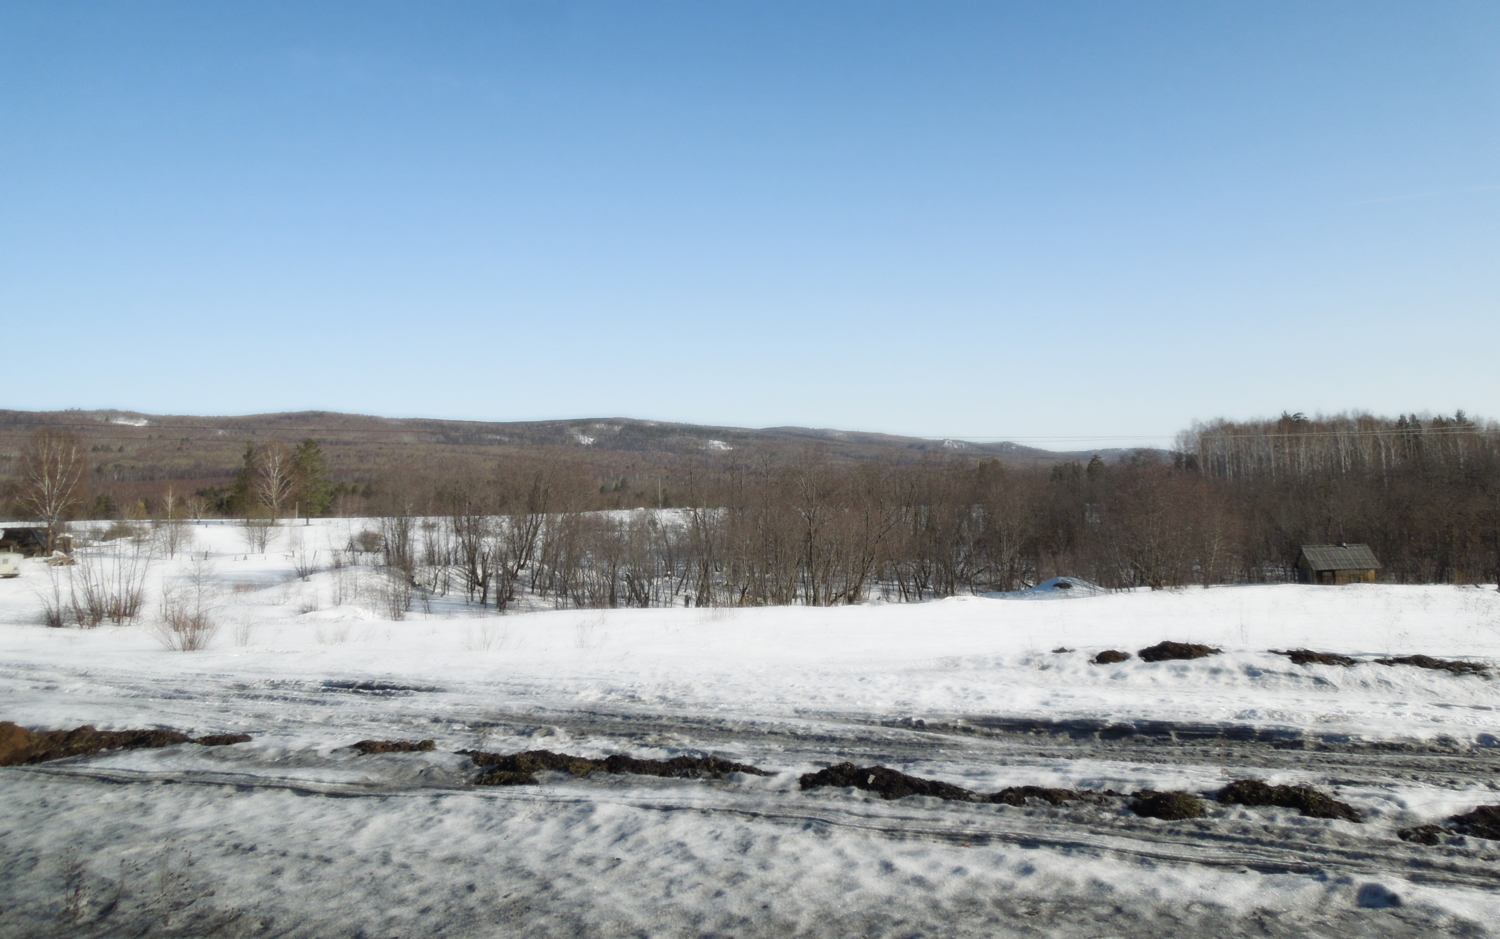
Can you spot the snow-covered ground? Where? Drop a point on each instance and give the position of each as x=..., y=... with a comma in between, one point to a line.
x=292, y=835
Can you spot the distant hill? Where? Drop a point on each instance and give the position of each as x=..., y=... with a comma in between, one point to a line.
x=132, y=447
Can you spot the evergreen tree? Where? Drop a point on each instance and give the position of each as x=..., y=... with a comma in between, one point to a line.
x=240, y=499
x=313, y=493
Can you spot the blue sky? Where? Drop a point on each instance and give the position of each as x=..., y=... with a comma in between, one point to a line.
x=1083, y=220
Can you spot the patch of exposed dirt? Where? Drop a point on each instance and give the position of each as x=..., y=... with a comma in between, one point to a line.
x=891, y=784
x=679, y=767
x=1483, y=822
x=521, y=766
x=1172, y=806
x=1017, y=795
x=1165, y=651
x=15, y=744
x=19, y=746
x=888, y=783
x=1110, y=657
x=519, y=769
x=1305, y=799
x=1447, y=665
x=221, y=740
x=1309, y=657
x=370, y=747
x=1424, y=834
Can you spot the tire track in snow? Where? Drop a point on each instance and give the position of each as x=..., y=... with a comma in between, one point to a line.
x=1276, y=850
x=330, y=709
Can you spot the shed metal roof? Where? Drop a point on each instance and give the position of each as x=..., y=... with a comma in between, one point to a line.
x=1332, y=557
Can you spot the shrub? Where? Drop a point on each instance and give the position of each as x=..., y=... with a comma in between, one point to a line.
x=187, y=622
x=109, y=585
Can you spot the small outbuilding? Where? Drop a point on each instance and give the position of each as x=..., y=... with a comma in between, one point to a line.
x=29, y=539
x=1336, y=564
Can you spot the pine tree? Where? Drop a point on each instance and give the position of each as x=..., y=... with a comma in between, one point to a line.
x=240, y=499
x=313, y=493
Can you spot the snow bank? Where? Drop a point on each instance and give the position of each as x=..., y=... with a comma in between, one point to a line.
x=960, y=656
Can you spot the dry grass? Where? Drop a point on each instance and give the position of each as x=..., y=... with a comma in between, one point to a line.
x=487, y=636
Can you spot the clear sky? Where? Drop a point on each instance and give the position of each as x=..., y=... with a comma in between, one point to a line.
x=1015, y=220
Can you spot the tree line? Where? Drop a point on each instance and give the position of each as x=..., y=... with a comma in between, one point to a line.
x=1232, y=505
x=1423, y=493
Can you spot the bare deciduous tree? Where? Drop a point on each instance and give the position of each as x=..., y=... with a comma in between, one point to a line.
x=275, y=477
x=54, y=467
x=195, y=506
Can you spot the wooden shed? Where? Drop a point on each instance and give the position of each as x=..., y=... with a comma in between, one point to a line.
x=1336, y=564
x=26, y=538
x=30, y=539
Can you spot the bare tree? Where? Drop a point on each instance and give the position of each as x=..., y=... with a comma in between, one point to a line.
x=54, y=466
x=467, y=533
x=172, y=535
x=258, y=533
x=275, y=477
x=195, y=506
x=529, y=499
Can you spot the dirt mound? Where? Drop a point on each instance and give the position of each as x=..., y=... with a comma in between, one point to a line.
x=1447, y=665
x=222, y=740
x=521, y=766
x=1017, y=795
x=370, y=747
x=1309, y=657
x=15, y=744
x=679, y=767
x=1110, y=657
x=1483, y=822
x=889, y=783
x=1164, y=651
x=519, y=769
x=1172, y=806
x=1305, y=799
x=1424, y=834
x=19, y=745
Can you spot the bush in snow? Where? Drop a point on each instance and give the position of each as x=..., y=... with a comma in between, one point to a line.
x=186, y=622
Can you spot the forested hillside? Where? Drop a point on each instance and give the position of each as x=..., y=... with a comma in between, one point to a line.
x=804, y=521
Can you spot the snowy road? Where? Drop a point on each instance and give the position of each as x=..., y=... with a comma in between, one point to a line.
x=392, y=845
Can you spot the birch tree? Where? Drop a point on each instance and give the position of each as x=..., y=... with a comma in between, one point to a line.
x=274, y=477
x=54, y=468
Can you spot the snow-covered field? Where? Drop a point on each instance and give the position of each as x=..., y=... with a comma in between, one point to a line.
x=293, y=835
